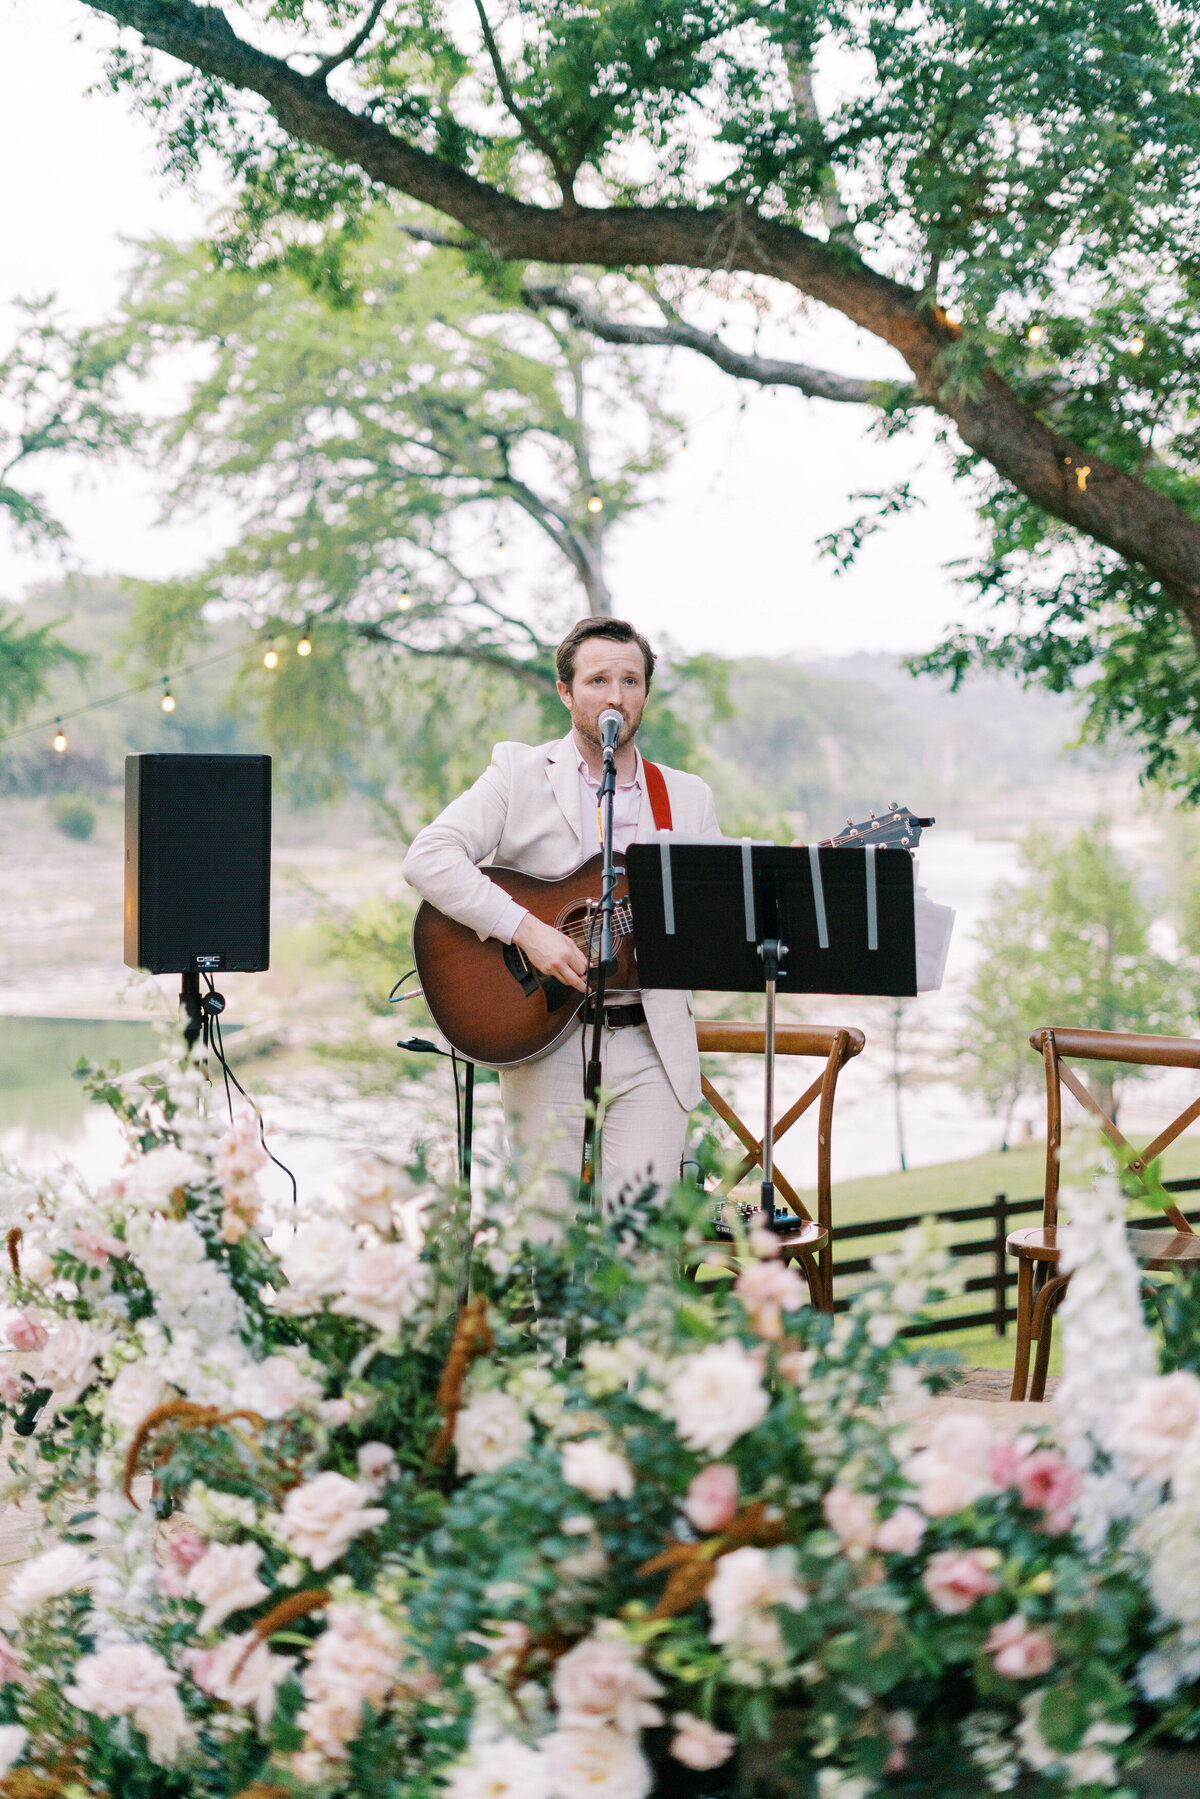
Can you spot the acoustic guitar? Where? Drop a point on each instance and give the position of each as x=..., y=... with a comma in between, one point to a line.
x=489, y=1001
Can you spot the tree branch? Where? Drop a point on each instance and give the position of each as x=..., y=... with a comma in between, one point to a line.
x=325, y=68
x=769, y=371
x=537, y=138
x=1087, y=493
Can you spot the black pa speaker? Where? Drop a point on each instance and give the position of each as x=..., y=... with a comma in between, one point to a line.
x=197, y=863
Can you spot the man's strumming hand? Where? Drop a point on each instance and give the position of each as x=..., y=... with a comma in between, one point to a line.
x=552, y=952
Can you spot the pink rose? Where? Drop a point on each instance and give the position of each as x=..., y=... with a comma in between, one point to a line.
x=182, y=1549
x=712, y=1497
x=10, y=1661
x=955, y=1579
x=12, y=1387
x=700, y=1745
x=767, y=1290
x=96, y=1247
x=899, y=1728
x=1018, y=1652
x=1044, y=1481
x=25, y=1333
x=851, y=1516
x=1046, y=1484
x=901, y=1534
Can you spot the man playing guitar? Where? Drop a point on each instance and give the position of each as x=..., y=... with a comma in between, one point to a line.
x=536, y=809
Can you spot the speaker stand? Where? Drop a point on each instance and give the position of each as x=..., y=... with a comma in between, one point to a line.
x=189, y=1004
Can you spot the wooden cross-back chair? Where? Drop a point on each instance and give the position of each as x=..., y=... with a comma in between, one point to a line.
x=810, y=1244
x=1039, y=1287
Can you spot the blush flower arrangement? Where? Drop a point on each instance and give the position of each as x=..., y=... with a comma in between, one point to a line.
x=326, y=1510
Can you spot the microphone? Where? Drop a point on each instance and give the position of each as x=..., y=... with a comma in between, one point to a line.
x=610, y=728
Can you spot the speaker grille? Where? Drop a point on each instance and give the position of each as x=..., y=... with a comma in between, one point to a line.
x=197, y=862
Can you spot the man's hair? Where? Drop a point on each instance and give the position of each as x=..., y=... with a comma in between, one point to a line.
x=616, y=629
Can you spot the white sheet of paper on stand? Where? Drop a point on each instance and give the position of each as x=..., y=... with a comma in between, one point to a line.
x=933, y=925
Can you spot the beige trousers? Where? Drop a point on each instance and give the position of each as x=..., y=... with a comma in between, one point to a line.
x=644, y=1125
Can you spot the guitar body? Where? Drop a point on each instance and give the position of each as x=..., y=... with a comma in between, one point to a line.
x=485, y=998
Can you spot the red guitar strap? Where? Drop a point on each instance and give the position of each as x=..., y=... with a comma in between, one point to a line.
x=660, y=799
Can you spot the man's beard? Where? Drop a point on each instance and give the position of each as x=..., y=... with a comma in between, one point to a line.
x=627, y=733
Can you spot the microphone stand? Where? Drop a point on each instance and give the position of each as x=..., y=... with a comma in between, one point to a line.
x=606, y=966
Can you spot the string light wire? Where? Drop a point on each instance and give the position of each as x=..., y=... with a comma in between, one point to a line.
x=111, y=699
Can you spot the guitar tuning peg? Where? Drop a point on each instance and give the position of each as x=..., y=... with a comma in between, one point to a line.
x=893, y=805
x=905, y=841
x=849, y=822
x=870, y=815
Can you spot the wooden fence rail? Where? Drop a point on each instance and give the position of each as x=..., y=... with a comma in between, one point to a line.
x=996, y=1282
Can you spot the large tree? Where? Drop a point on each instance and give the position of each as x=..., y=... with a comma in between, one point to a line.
x=1002, y=194
x=55, y=398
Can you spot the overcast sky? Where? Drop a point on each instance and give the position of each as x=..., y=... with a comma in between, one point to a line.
x=724, y=563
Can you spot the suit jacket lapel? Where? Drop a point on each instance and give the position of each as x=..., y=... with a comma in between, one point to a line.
x=563, y=771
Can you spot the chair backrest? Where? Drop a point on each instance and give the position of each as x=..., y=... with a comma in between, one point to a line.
x=1054, y=1042
x=835, y=1044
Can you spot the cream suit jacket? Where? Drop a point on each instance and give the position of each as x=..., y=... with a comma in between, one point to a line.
x=524, y=812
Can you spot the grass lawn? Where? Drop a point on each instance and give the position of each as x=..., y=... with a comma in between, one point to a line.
x=947, y=1185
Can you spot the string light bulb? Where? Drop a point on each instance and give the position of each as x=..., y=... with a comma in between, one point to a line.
x=595, y=504
x=271, y=659
x=405, y=601
x=304, y=647
x=60, y=738
x=168, y=699
x=1036, y=333
x=1136, y=345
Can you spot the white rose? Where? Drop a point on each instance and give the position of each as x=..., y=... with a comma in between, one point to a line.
x=152, y=1181
x=700, y=1745
x=382, y=1285
x=371, y=1191
x=69, y=1359
x=716, y=1396
x=224, y=1580
x=955, y=1469
x=13, y=1738
x=275, y=1387
x=490, y=1432
x=254, y=1683
x=748, y=1583
x=135, y=1393
x=599, y=1472
x=596, y=1764
x=316, y=1256
x=36, y=1265
x=47, y=1576
x=321, y=1518
x=353, y=1662
x=599, y=1682
x=132, y=1680
x=505, y=1769
x=1151, y=1428
x=377, y=1466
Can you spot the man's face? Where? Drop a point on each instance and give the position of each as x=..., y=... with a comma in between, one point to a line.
x=606, y=674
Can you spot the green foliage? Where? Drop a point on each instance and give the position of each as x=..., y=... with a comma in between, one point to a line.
x=1013, y=166
x=73, y=816
x=1069, y=947
x=27, y=660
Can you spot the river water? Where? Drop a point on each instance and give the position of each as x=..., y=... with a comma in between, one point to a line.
x=321, y=1121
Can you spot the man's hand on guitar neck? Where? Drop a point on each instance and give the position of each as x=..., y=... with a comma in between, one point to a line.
x=552, y=952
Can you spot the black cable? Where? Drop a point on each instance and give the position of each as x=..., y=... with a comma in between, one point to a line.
x=214, y=1020
x=458, y=1122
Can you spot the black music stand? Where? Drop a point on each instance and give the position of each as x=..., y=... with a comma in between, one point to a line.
x=756, y=918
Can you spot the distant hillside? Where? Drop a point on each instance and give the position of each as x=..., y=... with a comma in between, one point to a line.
x=810, y=743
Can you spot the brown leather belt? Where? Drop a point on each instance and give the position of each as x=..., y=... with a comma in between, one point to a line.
x=617, y=1017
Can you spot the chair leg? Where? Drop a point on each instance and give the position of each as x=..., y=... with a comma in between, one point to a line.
x=821, y=1301
x=1043, y=1329
x=1020, y=1380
